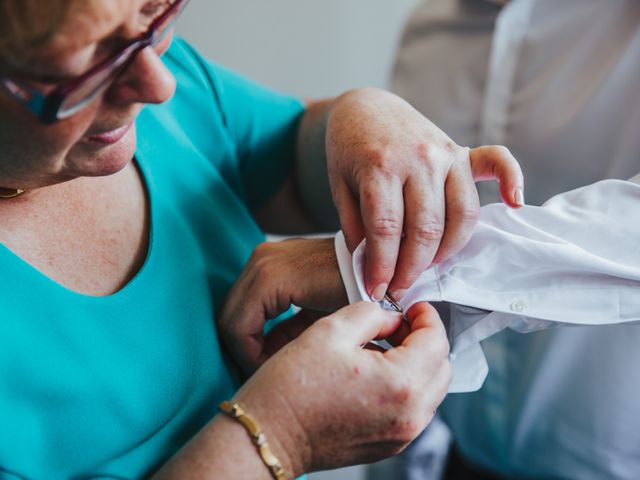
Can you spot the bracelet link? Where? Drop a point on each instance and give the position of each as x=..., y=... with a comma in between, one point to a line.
x=258, y=438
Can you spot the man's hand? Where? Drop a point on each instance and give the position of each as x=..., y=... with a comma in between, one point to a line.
x=303, y=272
x=402, y=183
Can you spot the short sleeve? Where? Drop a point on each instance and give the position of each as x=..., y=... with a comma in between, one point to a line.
x=259, y=124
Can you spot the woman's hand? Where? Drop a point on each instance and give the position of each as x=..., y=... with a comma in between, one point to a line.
x=324, y=402
x=342, y=404
x=402, y=183
x=303, y=272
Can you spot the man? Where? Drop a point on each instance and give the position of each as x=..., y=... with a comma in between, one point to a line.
x=557, y=83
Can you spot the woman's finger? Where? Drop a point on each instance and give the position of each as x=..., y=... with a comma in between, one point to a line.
x=357, y=324
x=287, y=331
x=427, y=340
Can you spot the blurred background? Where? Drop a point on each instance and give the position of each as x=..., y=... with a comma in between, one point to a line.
x=311, y=48
x=308, y=48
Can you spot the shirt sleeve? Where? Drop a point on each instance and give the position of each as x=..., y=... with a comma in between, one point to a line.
x=260, y=125
x=575, y=260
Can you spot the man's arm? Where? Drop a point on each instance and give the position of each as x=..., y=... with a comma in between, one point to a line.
x=395, y=178
x=304, y=204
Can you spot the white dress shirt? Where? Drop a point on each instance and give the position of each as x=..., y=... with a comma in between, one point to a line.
x=573, y=261
x=557, y=82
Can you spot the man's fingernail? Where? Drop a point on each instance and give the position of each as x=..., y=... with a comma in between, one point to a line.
x=378, y=293
x=398, y=294
x=519, y=197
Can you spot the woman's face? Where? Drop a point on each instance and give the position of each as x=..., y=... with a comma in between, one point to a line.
x=99, y=140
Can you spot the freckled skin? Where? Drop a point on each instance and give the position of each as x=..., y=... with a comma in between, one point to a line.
x=87, y=229
x=339, y=410
x=35, y=155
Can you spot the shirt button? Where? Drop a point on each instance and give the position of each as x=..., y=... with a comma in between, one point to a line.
x=518, y=306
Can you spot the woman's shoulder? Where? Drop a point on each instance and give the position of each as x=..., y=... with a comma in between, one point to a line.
x=209, y=94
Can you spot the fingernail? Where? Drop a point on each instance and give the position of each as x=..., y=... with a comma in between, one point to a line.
x=378, y=293
x=519, y=196
x=398, y=294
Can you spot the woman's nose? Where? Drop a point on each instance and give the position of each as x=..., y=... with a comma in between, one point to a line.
x=146, y=80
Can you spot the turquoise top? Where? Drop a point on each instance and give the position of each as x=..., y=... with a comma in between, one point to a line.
x=111, y=387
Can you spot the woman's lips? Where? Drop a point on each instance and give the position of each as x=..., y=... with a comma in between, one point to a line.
x=112, y=136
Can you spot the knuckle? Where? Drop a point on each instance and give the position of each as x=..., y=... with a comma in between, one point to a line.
x=378, y=156
x=402, y=393
x=469, y=212
x=427, y=233
x=266, y=272
x=261, y=251
x=386, y=227
x=405, y=429
x=427, y=151
x=326, y=328
x=437, y=153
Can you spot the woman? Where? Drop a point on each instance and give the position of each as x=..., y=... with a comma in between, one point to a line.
x=117, y=253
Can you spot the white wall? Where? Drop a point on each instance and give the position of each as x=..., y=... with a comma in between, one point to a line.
x=310, y=48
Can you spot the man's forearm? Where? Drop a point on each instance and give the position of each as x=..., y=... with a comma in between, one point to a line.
x=304, y=205
x=311, y=179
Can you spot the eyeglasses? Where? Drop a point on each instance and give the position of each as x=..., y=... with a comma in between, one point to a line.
x=71, y=97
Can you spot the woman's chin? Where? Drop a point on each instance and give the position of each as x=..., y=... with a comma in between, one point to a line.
x=99, y=159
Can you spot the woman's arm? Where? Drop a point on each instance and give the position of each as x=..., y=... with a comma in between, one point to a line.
x=325, y=402
x=221, y=450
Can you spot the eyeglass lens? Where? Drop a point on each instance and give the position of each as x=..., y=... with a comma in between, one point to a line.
x=102, y=79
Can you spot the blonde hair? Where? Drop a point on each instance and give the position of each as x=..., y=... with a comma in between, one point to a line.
x=28, y=24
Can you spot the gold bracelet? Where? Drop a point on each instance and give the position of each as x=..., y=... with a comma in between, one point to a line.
x=236, y=412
